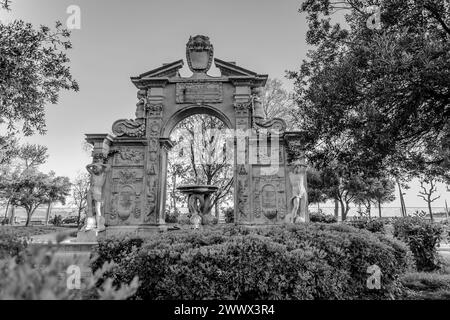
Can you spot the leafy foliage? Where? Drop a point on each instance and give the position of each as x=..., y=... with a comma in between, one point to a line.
x=377, y=99
x=33, y=188
x=10, y=244
x=38, y=276
x=370, y=224
x=80, y=189
x=423, y=237
x=56, y=220
x=229, y=215
x=314, y=261
x=33, y=70
x=322, y=218
x=278, y=103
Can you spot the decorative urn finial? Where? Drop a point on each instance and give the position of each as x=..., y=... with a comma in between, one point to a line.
x=199, y=54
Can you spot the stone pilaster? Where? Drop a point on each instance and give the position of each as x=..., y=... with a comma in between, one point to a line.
x=154, y=211
x=242, y=183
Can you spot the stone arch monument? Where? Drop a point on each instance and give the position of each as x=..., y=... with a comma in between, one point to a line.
x=267, y=189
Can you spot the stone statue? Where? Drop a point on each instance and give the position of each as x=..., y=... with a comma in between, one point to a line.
x=98, y=176
x=297, y=179
x=258, y=111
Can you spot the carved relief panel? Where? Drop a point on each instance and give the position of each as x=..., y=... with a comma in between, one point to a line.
x=269, y=196
x=126, y=196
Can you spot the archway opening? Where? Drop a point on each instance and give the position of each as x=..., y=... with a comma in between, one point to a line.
x=202, y=155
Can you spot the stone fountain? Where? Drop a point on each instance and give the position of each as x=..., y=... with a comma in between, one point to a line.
x=199, y=203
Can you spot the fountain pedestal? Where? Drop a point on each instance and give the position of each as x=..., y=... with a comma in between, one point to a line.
x=199, y=203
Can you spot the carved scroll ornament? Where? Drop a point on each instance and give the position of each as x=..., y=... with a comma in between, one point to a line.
x=129, y=128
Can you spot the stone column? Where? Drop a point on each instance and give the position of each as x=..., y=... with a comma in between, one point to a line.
x=165, y=146
x=154, y=179
x=242, y=167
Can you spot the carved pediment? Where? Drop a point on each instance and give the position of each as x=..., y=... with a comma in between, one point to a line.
x=230, y=69
x=158, y=75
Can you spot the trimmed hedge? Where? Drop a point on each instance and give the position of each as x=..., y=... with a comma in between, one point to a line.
x=423, y=238
x=323, y=218
x=370, y=224
x=308, y=261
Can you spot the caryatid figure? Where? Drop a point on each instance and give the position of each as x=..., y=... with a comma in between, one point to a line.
x=94, y=198
x=299, y=193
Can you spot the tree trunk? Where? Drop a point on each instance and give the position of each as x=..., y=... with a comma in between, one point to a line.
x=336, y=209
x=446, y=209
x=6, y=211
x=28, y=219
x=379, y=208
x=79, y=217
x=216, y=208
x=47, y=215
x=402, y=202
x=343, y=213
x=429, y=209
x=13, y=215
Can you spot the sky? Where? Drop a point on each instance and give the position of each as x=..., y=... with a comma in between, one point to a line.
x=120, y=39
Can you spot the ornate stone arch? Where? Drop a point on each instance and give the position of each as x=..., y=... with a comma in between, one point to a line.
x=191, y=110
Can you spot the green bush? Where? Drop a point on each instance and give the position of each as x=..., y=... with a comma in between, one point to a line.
x=423, y=237
x=229, y=215
x=370, y=224
x=10, y=244
x=172, y=216
x=40, y=276
x=310, y=261
x=322, y=218
x=56, y=220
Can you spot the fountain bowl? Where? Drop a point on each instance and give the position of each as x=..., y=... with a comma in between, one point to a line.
x=197, y=189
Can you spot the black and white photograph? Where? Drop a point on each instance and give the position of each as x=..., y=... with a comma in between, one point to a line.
x=215, y=158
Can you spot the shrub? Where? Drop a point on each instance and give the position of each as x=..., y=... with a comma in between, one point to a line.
x=424, y=285
x=56, y=220
x=172, y=216
x=38, y=276
x=322, y=218
x=229, y=215
x=184, y=219
x=370, y=224
x=114, y=250
x=10, y=244
x=423, y=237
x=310, y=261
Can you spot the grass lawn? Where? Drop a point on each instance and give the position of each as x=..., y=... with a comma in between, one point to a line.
x=429, y=285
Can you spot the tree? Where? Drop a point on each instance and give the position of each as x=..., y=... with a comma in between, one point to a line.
x=201, y=156
x=384, y=92
x=33, y=70
x=383, y=191
x=316, y=188
x=427, y=194
x=32, y=156
x=33, y=189
x=80, y=191
x=8, y=147
x=27, y=158
x=341, y=185
x=377, y=191
x=278, y=103
x=58, y=190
